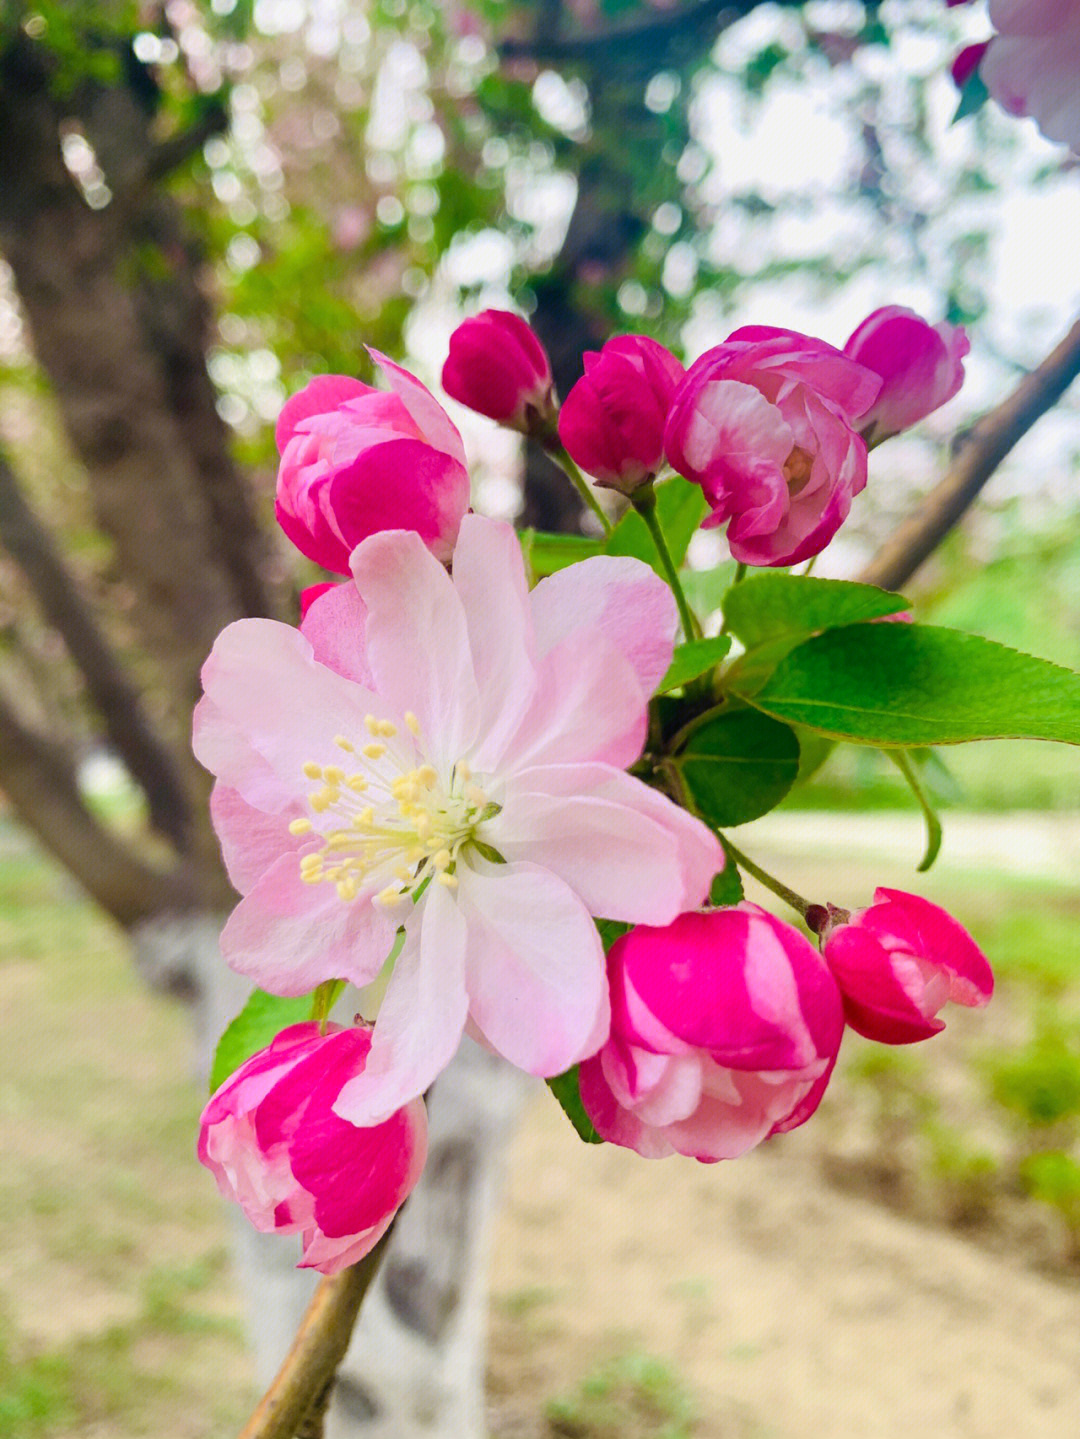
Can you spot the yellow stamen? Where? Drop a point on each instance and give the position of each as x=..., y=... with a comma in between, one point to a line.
x=412, y=722
x=389, y=896
x=374, y=751
x=345, y=744
x=448, y=880
x=333, y=775
x=313, y=770
x=300, y=826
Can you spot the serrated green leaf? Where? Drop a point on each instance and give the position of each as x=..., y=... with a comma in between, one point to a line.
x=566, y=1090
x=696, y=657
x=768, y=609
x=680, y=508
x=546, y=553
x=734, y=768
x=262, y=1017
x=890, y=685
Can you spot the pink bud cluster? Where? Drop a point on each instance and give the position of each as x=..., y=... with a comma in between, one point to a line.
x=772, y=424
x=726, y=1025
x=437, y=762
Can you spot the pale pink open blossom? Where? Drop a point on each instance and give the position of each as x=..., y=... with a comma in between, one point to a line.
x=921, y=367
x=499, y=368
x=766, y=424
x=356, y=460
x=725, y=1027
x=275, y=1146
x=1032, y=64
x=447, y=756
x=612, y=421
x=899, y=961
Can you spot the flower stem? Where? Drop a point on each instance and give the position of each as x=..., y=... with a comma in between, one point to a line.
x=644, y=503
x=740, y=573
x=796, y=901
x=558, y=453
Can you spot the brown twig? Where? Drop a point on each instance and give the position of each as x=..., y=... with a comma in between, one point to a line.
x=979, y=455
x=302, y=1386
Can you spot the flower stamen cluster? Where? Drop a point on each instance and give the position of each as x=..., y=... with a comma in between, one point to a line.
x=402, y=826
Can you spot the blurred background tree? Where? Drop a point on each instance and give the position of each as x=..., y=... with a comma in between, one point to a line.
x=204, y=204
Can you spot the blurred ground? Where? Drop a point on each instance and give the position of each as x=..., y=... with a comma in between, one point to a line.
x=870, y=1275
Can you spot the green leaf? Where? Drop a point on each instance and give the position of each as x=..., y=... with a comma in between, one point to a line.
x=610, y=931
x=771, y=608
x=546, y=553
x=262, y=1017
x=973, y=97
x=727, y=887
x=734, y=768
x=565, y=1089
x=909, y=685
x=680, y=507
x=705, y=589
x=696, y=657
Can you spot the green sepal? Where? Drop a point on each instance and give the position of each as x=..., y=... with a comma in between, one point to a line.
x=262, y=1017
x=567, y=1091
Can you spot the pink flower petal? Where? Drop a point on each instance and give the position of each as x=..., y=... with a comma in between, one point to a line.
x=534, y=967
x=623, y=598
x=418, y=642
x=334, y=625
x=251, y=841
x=287, y=936
x=421, y=1019
x=489, y=577
x=627, y=851
x=428, y=415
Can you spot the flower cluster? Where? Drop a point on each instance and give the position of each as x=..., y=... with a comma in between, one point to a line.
x=443, y=778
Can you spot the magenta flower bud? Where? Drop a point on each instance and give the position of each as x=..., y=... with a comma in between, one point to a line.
x=275, y=1146
x=725, y=1027
x=764, y=424
x=921, y=366
x=356, y=460
x=612, y=421
x=898, y=962
x=498, y=367
x=967, y=62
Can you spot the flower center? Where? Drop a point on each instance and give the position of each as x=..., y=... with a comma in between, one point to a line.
x=797, y=468
x=397, y=823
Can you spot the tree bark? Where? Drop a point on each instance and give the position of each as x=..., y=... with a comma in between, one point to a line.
x=126, y=724
x=40, y=783
x=978, y=455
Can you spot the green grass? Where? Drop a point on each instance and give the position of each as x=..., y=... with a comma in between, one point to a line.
x=632, y=1397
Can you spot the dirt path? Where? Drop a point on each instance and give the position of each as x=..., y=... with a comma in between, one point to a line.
x=789, y=1309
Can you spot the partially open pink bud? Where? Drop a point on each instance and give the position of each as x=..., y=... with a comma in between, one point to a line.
x=725, y=1027
x=612, y=421
x=275, y=1146
x=356, y=460
x=921, y=366
x=766, y=424
x=898, y=962
x=498, y=367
